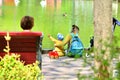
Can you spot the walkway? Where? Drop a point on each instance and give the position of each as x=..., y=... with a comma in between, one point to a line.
x=65, y=68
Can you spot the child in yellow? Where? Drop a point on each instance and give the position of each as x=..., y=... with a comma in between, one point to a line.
x=57, y=42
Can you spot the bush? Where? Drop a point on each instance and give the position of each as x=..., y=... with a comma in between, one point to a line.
x=11, y=68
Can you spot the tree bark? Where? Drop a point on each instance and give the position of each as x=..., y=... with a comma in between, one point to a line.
x=102, y=35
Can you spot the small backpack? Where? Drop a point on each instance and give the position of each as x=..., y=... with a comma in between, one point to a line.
x=76, y=46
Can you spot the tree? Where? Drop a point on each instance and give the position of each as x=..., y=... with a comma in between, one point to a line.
x=102, y=36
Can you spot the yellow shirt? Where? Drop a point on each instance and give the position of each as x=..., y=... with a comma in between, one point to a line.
x=58, y=46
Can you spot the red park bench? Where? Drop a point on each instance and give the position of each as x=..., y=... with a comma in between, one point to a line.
x=27, y=44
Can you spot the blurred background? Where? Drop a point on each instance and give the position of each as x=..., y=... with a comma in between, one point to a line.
x=52, y=17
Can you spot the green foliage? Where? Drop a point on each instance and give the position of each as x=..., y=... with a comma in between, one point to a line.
x=11, y=68
x=118, y=69
x=105, y=63
x=76, y=56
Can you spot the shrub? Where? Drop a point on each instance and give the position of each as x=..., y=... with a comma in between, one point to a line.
x=11, y=68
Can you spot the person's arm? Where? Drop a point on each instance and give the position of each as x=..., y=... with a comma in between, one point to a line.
x=67, y=39
x=115, y=21
x=51, y=38
x=118, y=23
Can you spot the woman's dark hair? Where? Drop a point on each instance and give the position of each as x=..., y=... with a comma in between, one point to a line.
x=73, y=27
x=27, y=23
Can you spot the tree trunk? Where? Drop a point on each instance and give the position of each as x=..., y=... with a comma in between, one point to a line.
x=102, y=36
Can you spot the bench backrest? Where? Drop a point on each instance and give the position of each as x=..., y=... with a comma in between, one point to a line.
x=27, y=44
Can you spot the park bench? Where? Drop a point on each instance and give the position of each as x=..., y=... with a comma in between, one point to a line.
x=27, y=44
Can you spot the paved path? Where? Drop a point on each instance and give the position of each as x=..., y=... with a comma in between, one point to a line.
x=65, y=68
